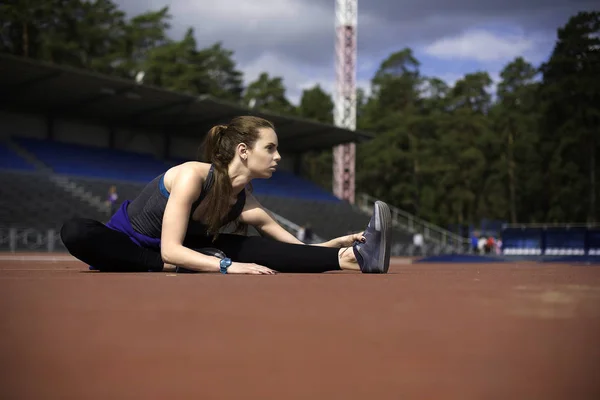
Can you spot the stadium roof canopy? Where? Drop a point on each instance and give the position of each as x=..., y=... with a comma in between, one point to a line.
x=33, y=86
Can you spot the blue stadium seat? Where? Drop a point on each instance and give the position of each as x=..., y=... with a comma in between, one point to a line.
x=79, y=160
x=11, y=160
x=516, y=241
x=286, y=184
x=593, y=242
x=563, y=241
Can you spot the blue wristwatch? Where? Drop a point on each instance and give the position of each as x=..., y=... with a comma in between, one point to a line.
x=224, y=264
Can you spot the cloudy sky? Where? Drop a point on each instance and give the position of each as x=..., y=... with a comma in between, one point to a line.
x=295, y=39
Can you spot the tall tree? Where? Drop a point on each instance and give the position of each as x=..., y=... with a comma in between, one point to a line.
x=26, y=25
x=571, y=120
x=467, y=141
x=393, y=158
x=172, y=66
x=222, y=78
x=268, y=93
x=100, y=28
x=143, y=33
x=395, y=87
x=515, y=121
x=317, y=105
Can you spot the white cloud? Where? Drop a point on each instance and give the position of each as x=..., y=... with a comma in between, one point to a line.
x=481, y=45
x=250, y=28
x=295, y=78
x=295, y=39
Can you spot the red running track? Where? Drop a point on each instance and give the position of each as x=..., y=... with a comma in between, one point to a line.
x=443, y=331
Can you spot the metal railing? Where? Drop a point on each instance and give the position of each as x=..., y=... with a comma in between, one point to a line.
x=414, y=224
x=292, y=227
x=15, y=239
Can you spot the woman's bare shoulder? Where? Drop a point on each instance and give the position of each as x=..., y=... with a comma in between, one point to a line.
x=192, y=170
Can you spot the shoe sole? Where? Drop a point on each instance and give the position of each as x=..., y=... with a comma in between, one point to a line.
x=385, y=220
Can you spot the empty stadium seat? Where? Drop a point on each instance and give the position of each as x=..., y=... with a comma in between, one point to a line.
x=286, y=184
x=11, y=160
x=79, y=160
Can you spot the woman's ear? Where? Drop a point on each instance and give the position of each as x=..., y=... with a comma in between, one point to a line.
x=242, y=151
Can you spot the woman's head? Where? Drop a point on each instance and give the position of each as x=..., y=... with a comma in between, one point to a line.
x=251, y=143
x=250, y=140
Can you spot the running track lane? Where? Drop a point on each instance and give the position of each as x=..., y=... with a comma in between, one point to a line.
x=501, y=331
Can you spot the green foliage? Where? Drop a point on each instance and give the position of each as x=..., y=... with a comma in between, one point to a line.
x=317, y=166
x=524, y=150
x=455, y=155
x=268, y=94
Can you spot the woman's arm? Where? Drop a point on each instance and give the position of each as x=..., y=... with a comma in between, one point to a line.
x=257, y=216
x=185, y=189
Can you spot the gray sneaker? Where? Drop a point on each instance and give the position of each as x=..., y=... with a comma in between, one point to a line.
x=373, y=255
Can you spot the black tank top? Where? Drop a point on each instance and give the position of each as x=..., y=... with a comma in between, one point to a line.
x=147, y=209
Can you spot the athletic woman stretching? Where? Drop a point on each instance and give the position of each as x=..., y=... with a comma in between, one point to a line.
x=176, y=220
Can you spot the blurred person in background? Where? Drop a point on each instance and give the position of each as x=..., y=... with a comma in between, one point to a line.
x=418, y=243
x=111, y=200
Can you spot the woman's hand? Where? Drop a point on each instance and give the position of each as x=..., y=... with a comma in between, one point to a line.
x=249, y=269
x=348, y=240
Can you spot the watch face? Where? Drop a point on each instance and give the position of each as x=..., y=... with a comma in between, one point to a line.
x=225, y=263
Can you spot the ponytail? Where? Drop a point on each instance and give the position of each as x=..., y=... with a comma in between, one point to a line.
x=219, y=149
x=212, y=142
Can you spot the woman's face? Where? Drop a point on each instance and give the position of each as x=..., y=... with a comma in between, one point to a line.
x=264, y=157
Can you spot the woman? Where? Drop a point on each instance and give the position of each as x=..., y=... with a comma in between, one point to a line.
x=177, y=219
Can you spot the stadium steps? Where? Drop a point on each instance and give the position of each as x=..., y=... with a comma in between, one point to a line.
x=30, y=163
x=29, y=199
x=79, y=192
x=61, y=181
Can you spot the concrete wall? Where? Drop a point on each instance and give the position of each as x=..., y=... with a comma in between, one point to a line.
x=12, y=124
x=185, y=147
x=70, y=131
x=85, y=133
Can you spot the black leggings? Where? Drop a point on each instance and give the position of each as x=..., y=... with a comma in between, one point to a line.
x=108, y=250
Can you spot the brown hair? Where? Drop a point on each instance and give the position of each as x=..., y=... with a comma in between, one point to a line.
x=219, y=149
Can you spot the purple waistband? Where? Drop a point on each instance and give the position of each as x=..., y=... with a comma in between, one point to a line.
x=120, y=222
